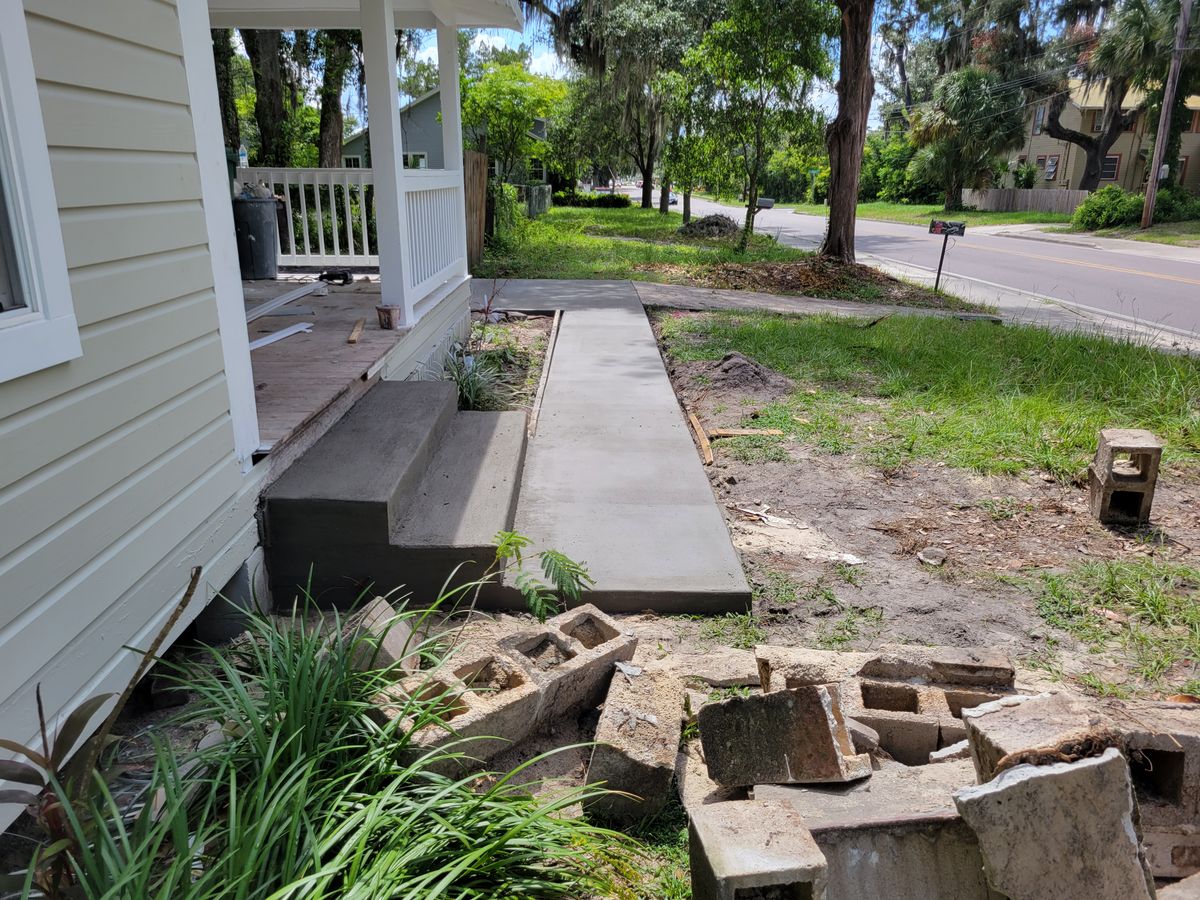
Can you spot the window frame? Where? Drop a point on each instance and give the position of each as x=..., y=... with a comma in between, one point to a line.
x=1117, y=173
x=1039, y=118
x=1052, y=170
x=1183, y=164
x=43, y=333
x=347, y=164
x=1097, y=120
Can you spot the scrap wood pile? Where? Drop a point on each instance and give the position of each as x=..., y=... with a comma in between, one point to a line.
x=911, y=772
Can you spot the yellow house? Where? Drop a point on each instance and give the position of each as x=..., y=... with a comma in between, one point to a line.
x=1060, y=163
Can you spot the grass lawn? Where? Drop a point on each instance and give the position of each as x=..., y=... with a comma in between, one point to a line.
x=1180, y=234
x=918, y=214
x=992, y=399
x=643, y=245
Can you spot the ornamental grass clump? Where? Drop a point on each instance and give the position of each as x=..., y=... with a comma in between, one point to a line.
x=309, y=795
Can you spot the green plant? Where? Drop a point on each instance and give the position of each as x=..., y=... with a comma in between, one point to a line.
x=476, y=377
x=1108, y=207
x=738, y=630
x=567, y=578
x=592, y=200
x=312, y=794
x=1025, y=176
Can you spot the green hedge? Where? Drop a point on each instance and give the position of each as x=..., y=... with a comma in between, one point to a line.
x=592, y=200
x=1112, y=207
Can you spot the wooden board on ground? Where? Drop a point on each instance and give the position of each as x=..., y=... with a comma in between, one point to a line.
x=743, y=432
x=702, y=438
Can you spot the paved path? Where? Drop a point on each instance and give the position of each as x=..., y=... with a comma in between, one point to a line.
x=612, y=477
x=1113, y=279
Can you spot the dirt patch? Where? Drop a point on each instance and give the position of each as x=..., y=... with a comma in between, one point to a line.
x=516, y=344
x=831, y=543
x=546, y=655
x=812, y=277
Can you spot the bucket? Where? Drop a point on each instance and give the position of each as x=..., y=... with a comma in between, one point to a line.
x=389, y=317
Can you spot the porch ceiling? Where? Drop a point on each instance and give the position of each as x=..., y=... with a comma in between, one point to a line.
x=288, y=14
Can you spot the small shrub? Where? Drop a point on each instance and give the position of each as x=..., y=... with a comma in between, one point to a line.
x=1109, y=207
x=592, y=200
x=1174, y=204
x=477, y=379
x=1025, y=176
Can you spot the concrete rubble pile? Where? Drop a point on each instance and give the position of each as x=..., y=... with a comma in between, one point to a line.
x=910, y=772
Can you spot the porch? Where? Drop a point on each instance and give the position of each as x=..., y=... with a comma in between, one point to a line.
x=409, y=225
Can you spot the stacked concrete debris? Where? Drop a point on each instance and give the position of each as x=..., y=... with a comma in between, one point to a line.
x=903, y=768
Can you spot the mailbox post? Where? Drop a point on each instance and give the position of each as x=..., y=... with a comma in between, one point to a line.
x=946, y=230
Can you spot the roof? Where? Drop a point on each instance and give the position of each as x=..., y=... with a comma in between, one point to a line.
x=1091, y=96
x=411, y=104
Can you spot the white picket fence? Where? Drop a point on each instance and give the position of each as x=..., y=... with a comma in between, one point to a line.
x=332, y=217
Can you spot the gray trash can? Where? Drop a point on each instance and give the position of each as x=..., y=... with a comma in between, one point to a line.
x=257, y=230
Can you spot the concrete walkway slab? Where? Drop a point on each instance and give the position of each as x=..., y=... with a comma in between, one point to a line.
x=612, y=477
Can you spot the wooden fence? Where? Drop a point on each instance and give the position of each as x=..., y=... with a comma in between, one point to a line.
x=475, y=173
x=1021, y=199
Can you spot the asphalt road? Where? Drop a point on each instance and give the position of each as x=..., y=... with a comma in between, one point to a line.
x=1146, y=282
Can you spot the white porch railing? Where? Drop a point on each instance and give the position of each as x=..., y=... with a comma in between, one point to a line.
x=332, y=217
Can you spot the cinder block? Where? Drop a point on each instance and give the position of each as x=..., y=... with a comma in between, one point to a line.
x=1188, y=889
x=1064, y=831
x=637, y=741
x=952, y=753
x=906, y=737
x=1123, y=475
x=384, y=639
x=976, y=666
x=897, y=835
x=753, y=849
x=692, y=781
x=720, y=668
x=1172, y=852
x=780, y=668
x=1018, y=723
x=571, y=659
x=784, y=737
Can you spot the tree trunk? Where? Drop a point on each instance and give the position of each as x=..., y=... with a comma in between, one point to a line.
x=751, y=211
x=1096, y=145
x=954, y=191
x=687, y=206
x=222, y=39
x=845, y=135
x=336, y=45
x=263, y=49
x=664, y=196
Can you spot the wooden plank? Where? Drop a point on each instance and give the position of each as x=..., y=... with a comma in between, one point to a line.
x=702, y=439
x=265, y=309
x=356, y=331
x=741, y=432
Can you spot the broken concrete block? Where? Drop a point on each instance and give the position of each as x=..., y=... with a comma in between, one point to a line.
x=637, y=741
x=722, y=667
x=784, y=737
x=865, y=738
x=384, y=639
x=952, y=753
x=1122, y=477
x=1063, y=831
x=1020, y=724
x=906, y=737
x=692, y=781
x=1188, y=889
x=1172, y=852
x=942, y=665
x=753, y=849
x=789, y=667
x=895, y=836
x=571, y=658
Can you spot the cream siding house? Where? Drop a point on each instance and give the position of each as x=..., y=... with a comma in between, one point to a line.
x=128, y=436
x=1061, y=163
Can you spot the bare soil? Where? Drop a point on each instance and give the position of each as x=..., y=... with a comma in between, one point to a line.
x=517, y=343
x=831, y=543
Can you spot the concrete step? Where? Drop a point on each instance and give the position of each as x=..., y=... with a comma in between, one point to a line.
x=348, y=485
x=446, y=522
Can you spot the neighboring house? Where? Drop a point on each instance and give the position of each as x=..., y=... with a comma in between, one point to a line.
x=420, y=122
x=129, y=443
x=1060, y=163
x=421, y=129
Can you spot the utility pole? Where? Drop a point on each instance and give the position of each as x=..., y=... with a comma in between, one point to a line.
x=1164, y=115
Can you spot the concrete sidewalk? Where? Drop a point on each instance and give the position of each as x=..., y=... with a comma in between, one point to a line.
x=612, y=477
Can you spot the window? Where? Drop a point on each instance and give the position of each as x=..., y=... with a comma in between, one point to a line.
x=1039, y=119
x=537, y=169
x=1110, y=169
x=1051, y=167
x=1097, y=120
x=1041, y=162
x=37, y=317
x=1133, y=118
x=416, y=161
x=1183, y=161
x=351, y=162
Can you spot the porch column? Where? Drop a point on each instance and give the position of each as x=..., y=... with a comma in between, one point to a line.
x=452, y=143
x=378, y=22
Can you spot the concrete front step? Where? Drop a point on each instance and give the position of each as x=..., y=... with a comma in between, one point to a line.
x=443, y=515
x=348, y=486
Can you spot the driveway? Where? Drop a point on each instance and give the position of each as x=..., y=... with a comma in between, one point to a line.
x=1152, y=284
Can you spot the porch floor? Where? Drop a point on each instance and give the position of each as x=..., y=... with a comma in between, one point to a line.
x=297, y=377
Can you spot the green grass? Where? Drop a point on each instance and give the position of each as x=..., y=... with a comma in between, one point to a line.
x=973, y=395
x=738, y=630
x=1180, y=234
x=665, y=873
x=921, y=213
x=571, y=242
x=1152, y=621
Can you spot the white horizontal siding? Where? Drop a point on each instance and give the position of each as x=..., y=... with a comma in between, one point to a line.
x=117, y=471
